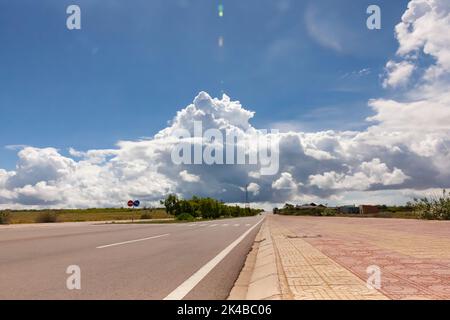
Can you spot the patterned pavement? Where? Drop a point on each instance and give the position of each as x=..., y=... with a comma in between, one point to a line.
x=328, y=257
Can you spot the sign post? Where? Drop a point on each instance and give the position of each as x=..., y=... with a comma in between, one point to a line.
x=133, y=204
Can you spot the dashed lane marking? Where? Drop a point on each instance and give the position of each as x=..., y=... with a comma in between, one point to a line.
x=132, y=241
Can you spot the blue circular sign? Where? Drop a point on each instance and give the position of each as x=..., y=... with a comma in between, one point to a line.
x=136, y=203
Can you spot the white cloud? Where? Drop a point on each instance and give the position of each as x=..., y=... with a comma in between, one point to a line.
x=322, y=29
x=368, y=174
x=253, y=188
x=424, y=27
x=286, y=181
x=424, y=31
x=320, y=163
x=186, y=176
x=398, y=74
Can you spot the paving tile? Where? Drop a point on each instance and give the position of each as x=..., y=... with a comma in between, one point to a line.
x=413, y=257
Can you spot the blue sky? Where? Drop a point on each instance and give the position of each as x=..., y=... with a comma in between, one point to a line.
x=135, y=64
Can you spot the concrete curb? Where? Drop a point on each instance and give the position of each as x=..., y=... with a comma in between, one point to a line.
x=259, y=279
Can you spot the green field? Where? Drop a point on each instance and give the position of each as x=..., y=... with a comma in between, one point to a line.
x=37, y=216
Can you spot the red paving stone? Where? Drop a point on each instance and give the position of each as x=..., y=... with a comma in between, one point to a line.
x=413, y=255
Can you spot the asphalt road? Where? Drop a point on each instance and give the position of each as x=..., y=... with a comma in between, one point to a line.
x=125, y=261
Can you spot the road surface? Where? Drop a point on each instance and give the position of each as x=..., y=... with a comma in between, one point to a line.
x=125, y=261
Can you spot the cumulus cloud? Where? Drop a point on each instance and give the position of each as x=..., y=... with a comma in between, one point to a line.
x=398, y=74
x=286, y=181
x=368, y=173
x=405, y=148
x=186, y=176
x=253, y=188
x=423, y=30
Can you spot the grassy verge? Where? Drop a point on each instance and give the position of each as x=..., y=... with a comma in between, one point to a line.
x=41, y=216
x=386, y=215
x=392, y=215
x=177, y=221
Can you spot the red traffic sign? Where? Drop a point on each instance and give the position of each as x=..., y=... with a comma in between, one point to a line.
x=130, y=203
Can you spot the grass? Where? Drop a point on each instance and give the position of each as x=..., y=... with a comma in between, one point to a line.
x=4, y=218
x=40, y=216
x=383, y=214
x=436, y=207
x=387, y=215
x=156, y=221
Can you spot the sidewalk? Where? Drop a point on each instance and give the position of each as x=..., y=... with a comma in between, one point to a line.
x=311, y=275
x=328, y=257
x=287, y=267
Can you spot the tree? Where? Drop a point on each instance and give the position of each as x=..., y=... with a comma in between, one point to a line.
x=208, y=208
x=171, y=203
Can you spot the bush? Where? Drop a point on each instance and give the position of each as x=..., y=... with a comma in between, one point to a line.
x=5, y=217
x=47, y=217
x=328, y=212
x=433, y=208
x=206, y=208
x=185, y=217
x=146, y=216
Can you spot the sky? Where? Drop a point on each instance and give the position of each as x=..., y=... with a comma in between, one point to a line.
x=303, y=67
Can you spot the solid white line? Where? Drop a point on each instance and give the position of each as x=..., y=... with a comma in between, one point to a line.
x=182, y=290
x=131, y=241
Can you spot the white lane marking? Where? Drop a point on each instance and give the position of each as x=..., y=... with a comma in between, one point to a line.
x=225, y=225
x=202, y=225
x=182, y=290
x=237, y=225
x=131, y=241
x=191, y=225
x=213, y=225
x=247, y=225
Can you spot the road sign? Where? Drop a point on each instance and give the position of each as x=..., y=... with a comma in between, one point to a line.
x=130, y=203
x=136, y=203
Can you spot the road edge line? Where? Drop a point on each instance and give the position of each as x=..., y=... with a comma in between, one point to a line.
x=183, y=289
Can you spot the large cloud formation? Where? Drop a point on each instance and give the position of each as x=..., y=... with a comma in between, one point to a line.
x=405, y=149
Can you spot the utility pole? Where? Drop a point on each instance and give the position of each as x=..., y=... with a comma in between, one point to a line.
x=247, y=204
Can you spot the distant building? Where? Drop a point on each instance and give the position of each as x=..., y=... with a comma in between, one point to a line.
x=348, y=209
x=366, y=209
x=306, y=206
